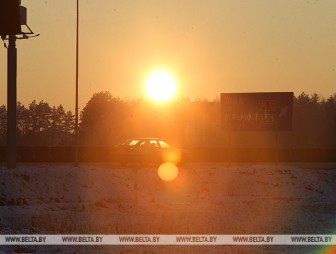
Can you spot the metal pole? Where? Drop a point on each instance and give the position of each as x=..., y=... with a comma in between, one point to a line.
x=11, y=102
x=76, y=114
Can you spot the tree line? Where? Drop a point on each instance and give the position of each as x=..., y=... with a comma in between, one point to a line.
x=106, y=120
x=39, y=124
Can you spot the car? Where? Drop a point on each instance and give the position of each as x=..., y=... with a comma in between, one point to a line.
x=149, y=151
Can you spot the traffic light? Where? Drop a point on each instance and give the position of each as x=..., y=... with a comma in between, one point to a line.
x=10, y=23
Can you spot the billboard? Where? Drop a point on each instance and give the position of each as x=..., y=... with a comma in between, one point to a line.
x=257, y=111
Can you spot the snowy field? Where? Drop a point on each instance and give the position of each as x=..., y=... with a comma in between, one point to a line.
x=204, y=199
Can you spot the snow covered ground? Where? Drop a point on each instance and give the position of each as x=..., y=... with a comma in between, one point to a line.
x=204, y=199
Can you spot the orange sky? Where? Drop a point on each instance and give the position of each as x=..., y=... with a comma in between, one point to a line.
x=211, y=46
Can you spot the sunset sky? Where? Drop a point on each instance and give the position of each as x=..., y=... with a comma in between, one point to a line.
x=211, y=47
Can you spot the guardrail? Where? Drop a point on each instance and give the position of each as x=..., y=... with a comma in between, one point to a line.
x=105, y=154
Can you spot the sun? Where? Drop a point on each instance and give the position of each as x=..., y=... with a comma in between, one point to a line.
x=160, y=85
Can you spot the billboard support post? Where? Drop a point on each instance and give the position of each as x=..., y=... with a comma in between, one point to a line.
x=277, y=160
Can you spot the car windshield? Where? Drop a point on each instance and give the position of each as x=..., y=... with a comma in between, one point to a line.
x=133, y=142
x=163, y=144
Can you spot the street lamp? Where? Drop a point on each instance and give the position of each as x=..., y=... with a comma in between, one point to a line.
x=12, y=17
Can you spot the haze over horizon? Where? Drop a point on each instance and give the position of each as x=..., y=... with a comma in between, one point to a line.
x=210, y=47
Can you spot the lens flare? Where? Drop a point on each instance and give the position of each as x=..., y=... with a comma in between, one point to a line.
x=327, y=250
x=172, y=155
x=168, y=171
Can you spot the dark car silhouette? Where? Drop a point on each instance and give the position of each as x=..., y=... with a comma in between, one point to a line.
x=150, y=150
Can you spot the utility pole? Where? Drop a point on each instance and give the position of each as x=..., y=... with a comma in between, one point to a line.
x=76, y=100
x=11, y=101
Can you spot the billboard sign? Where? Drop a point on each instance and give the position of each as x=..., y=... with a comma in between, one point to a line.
x=257, y=111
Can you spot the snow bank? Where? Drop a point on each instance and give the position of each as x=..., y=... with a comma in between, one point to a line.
x=204, y=199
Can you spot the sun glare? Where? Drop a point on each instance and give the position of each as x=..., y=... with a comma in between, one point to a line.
x=168, y=171
x=160, y=85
